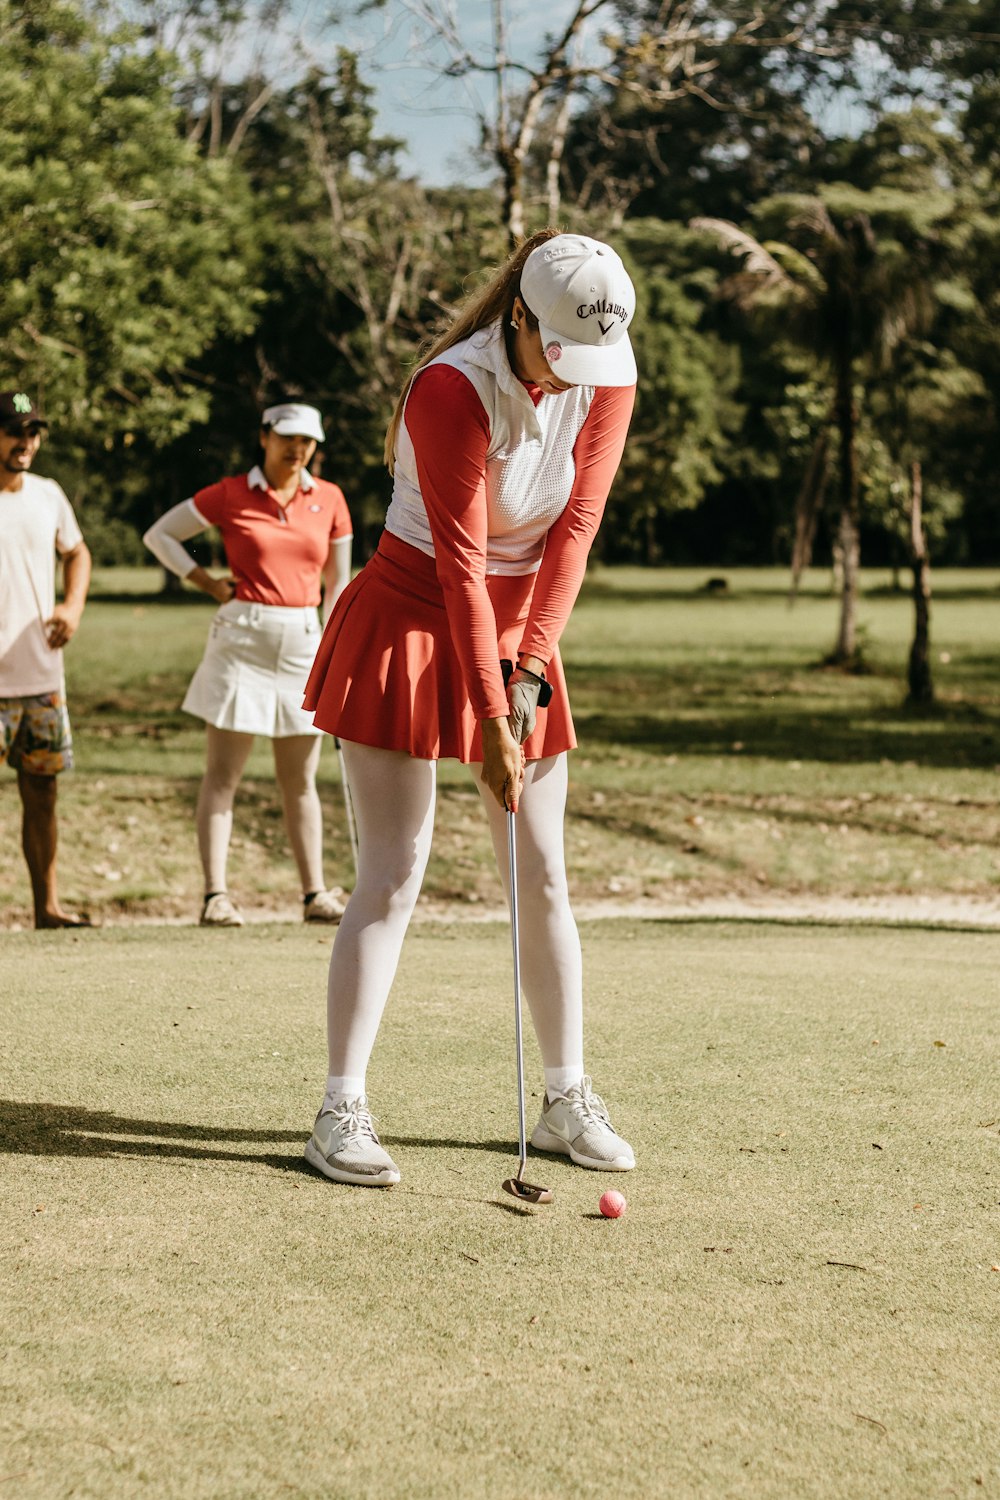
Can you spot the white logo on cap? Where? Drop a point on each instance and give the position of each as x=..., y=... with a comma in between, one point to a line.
x=553, y=352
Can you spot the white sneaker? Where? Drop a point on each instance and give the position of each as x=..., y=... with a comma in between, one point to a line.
x=220, y=911
x=345, y=1148
x=324, y=907
x=578, y=1126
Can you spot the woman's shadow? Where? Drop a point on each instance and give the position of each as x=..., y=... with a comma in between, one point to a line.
x=39, y=1129
x=28, y=1128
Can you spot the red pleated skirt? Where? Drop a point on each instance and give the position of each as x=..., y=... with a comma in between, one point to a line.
x=387, y=674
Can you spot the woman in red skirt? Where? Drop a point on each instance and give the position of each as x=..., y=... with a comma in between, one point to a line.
x=503, y=447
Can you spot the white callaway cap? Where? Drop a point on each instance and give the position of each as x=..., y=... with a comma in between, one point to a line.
x=584, y=300
x=293, y=420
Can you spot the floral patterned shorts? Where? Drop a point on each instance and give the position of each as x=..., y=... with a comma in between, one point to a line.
x=35, y=734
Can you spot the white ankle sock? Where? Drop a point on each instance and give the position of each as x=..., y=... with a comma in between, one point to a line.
x=346, y=1087
x=558, y=1080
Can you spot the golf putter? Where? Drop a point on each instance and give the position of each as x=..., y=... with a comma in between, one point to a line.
x=524, y=1192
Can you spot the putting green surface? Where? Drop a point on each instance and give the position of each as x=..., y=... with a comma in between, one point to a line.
x=802, y=1300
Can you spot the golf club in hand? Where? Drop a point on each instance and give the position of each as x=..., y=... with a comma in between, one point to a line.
x=524, y=1192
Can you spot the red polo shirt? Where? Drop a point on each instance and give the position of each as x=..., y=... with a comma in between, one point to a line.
x=276, y=553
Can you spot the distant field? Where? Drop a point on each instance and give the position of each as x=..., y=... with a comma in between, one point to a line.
x=717, y=757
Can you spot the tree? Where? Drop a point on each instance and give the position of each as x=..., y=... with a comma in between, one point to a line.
x=925, y=390
x=733, y=124
x=125, y=253
x=918, y=671
x=849, y=296
x=355, y=266
x=204, y=35
x=644, y=55
x=686, y=402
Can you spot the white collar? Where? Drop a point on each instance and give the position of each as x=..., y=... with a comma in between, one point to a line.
x=257, y=480
x=487, y=349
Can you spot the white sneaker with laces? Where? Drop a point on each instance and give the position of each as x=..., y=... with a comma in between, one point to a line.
x=324, y=907
x=578, y=1126
x=345, y=1148
x=221, y=911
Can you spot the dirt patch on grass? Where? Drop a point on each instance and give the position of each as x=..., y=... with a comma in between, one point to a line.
x=640, y=847
x=918, y=911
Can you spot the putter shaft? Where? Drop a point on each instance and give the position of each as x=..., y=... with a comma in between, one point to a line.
x=522, y=1135
x=525, y=1192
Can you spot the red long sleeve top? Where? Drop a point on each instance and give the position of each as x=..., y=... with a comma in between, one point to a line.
x=449, y=428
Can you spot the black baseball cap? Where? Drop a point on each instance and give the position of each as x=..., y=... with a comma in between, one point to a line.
x=18, y=409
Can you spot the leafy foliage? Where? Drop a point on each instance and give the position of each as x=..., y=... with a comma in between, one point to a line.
x=131, y=252
x=201, y=216
x=686, y=405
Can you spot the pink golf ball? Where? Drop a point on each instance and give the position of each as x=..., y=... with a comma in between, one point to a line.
x=612, y=1204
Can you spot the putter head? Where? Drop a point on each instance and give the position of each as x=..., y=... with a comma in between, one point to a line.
x=526, y=1192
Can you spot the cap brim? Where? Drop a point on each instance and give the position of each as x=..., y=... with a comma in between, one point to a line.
x=299, y=429
x=591, y=364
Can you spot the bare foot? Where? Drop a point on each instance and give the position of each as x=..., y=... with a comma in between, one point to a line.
x=61, y=919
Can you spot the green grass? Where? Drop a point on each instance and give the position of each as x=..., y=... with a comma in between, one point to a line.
x=802, y=1300
x=717, y=758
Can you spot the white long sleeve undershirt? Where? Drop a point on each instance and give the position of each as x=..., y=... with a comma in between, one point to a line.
x=166, y=536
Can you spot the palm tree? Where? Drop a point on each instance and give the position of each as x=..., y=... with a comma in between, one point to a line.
x=845, y=297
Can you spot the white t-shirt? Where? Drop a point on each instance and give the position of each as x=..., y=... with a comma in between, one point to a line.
x=36, y=522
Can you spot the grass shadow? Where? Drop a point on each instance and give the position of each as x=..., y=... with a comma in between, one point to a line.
x=519, y=1210
x=440, y=1143
x=940, y=740
x=37, y=1128
x=29, y=1128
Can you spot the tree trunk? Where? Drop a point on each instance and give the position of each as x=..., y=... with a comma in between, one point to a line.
x=845, y=651
x=507, y=159
x=807, y=508
x=919, y=672
x=512, y=172
x=557, y=145
x=653, y=554
x=172, y=586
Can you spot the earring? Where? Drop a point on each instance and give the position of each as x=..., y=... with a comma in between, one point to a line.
x=513, y=324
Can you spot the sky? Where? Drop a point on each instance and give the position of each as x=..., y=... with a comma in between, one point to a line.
x=415, y=99
x=434, y=114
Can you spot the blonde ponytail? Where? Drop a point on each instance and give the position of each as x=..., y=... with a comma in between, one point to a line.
x=494, y=300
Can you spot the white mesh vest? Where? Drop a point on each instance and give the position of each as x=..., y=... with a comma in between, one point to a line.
x=529, y=459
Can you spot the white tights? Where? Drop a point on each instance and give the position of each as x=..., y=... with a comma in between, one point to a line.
x=393, y=796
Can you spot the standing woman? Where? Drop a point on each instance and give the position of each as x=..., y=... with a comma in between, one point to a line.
x=503, y=446
x=287, y=538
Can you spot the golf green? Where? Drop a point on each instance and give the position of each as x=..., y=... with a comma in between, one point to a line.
x=802, y=1299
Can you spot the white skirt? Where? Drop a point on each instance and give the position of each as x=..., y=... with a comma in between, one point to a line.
x=253, y=674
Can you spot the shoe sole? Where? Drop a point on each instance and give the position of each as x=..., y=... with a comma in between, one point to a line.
x=314, y=1156
x=544, y=1140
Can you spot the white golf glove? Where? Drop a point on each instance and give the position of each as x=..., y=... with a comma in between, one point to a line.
x=524, y=690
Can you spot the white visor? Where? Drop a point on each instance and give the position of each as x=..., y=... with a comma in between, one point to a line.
x=294, y=420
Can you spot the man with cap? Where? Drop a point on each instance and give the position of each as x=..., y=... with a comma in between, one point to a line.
x=287, y=537
x=36, y=524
